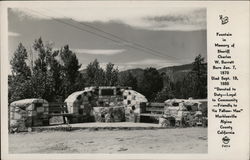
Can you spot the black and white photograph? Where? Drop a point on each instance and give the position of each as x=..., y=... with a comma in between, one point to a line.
x=110, y=80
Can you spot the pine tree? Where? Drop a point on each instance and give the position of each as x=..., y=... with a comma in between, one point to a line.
x=51, y=79
x=151, y=83
x=167, y=92
x=46, y=77
x=18, y=62
x=194, y=83
x=200, y=72
x=127, y=79
x=20, y=80
x=95, y=74
x=111, y=75
x=72, y=80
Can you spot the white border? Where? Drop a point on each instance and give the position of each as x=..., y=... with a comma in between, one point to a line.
x=213, y=8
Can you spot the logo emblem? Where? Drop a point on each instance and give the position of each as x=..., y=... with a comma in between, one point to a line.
x=225, y=140
x=224, y=19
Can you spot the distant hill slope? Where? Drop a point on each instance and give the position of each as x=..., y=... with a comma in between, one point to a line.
x=181, y=68
x=176, y=73
x=137, y=72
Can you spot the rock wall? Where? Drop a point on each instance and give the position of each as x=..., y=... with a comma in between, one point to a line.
x=109, y=114
x=132, y=101
x=27, y=113
x=113, y=102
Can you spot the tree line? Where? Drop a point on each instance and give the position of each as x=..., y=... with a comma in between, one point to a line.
x=54, y=74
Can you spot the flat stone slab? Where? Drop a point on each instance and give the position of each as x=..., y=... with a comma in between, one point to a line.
x=99, y=126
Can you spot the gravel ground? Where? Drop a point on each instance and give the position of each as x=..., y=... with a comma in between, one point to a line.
x=179, y=140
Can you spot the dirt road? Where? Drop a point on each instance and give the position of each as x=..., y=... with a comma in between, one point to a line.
x=180, y=140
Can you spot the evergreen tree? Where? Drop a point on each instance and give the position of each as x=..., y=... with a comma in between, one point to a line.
x=127, y=79
x=111, y=75
x=194, y=83
x=164, y=95
x=177, y=91
x=151, y=83
x=18, y=62
x=95, y=74
x=188, y=86
x=167, y=92
x=200, y=72
x=42, y=79
x=19, y=82
x=72, y=80
x=51, y=80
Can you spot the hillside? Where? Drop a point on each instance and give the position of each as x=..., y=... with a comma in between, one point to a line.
x=175, y=72
x=137, y=72
x=181, y=68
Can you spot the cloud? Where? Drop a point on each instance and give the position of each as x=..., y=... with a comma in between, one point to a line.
x=13, y=34
x=194, y=20
x=149, y=18
x=99, y=51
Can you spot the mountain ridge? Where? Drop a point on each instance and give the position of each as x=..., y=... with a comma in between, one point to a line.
x=176, y=72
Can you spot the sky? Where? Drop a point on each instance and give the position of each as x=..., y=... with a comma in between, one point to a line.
x=129, y=37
